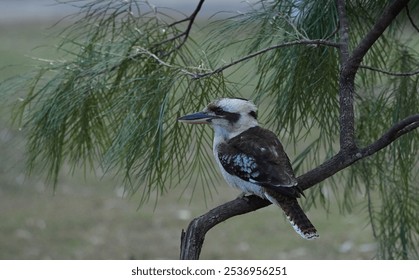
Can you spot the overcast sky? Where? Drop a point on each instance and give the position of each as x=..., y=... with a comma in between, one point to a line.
x=18, y=10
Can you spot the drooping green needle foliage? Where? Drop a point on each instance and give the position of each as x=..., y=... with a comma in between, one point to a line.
x=115, y=97
x=130, y=70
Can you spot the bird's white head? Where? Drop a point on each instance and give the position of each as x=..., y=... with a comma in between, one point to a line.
x=228, y=116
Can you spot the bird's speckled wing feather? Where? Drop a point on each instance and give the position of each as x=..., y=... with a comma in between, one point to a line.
x=257, y=156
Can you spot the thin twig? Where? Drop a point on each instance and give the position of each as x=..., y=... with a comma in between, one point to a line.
x=191, y=17
x=333, y=33
x=397, y=74
x=187, y=31
x=314, y=42
x=184, y=34
x=412, y=22
x=142, y=51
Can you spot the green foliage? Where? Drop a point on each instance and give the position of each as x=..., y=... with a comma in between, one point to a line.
x=115, y=103
x=392, y=172
x=128, y=74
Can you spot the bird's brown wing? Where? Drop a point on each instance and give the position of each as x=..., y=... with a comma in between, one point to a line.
x=257, y=156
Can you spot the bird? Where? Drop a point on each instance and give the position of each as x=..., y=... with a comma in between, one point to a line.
x=252, y=159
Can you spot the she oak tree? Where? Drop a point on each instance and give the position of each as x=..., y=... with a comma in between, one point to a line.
x=339, y=78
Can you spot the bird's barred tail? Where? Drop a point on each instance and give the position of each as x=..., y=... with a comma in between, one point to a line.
x=294, y=213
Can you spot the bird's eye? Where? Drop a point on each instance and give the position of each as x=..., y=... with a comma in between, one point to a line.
x=218, y=111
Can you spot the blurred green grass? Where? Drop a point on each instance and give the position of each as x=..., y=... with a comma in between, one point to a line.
x=89, y=218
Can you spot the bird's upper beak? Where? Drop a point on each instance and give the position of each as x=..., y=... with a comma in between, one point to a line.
x=196, y=118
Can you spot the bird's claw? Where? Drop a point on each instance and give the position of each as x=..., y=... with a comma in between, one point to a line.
x=244, y=196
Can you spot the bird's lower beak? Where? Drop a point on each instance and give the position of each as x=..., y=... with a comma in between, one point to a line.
x=196, y=118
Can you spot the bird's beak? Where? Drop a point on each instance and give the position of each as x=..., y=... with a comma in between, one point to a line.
x=196, y=118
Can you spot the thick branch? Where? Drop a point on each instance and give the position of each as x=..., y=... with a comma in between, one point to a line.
x=345, y=159
x=397, y=130
x=193, y=238
x=343, y=31
x=376, y=31
x=346, y=84
x=350, y=64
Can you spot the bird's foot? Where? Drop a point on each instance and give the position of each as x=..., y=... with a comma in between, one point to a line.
x=244, y=196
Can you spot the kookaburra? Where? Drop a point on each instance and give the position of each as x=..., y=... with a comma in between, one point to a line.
x=252, y=159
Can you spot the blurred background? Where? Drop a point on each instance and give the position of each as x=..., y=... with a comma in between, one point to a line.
x=88, y=217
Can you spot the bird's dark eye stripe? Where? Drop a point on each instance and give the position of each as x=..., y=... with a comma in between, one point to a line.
x=254, y=114
x=217, y=110
x=232, y=117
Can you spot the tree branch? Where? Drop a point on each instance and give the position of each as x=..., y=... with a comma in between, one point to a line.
x=193, y=238
x=376, y=31
x=405, y=126
x=412, y=22
x=351, y=63
x=397, y=74
x=345, y=159
x=343, y=31
x=314, y=43
x=185, y=34
x=346, y=84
